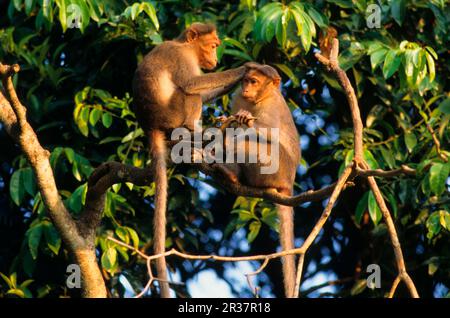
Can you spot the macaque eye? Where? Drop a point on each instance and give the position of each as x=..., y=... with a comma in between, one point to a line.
x=253, y=81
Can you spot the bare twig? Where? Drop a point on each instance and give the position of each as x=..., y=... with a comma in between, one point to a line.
x=404, y=170
x=330, y=283
x=394, y=286
x=437, y=144
x=298, y=277
x=323, y=218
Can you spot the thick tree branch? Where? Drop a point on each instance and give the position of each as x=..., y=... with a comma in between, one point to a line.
x=13, y=117
x=37, y=156
x=332, y=65
x=103, y=177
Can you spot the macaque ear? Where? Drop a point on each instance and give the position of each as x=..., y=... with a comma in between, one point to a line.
x=191, y=35
x=276, y=82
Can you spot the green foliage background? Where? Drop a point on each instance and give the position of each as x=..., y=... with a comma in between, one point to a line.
x=77, y=64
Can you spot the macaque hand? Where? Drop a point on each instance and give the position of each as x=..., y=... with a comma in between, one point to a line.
x=244, y=117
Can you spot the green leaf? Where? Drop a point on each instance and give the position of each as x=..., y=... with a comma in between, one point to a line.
x=432, y=52
x=95, y=116
x=107, y=120
x=19, y=293
x=433, y=225
x=34, y=238
x=82, y=121
x=444, y=218
x=109, y=259
x=393, y=203
x=374, y=210
x=280, y=32
x=151, y=12
x=320, y=19
x=388, y=157
x=398, y=10
x=16, y=190
x=370, y=159
x=134, y=236
x=95, y=10
x=76, y=199
x=391, y=64
x=377, y=57
x=52, y=237
x=62, y=13
x=410, y=141
x=286, y=70
x=270, y=217
x=70, y=154
x=361, y=207
x=244, y=215
x=7, y=280
x=29, y=6
x=239, y=54
x=432, y=268
x=254, y=228
x=438, y=177
x=133, y=135
x=122, y=233
x=431, y=66
x=358, y=287
x=29, y=181
x=444, y=106
x=17, y=4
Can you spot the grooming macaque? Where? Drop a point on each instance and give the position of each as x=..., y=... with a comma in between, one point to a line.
x=169, y=90
x=260, y=98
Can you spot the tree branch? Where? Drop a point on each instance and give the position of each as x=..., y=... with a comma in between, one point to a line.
x=360, y=165
x=13, y=117
x=437, y=144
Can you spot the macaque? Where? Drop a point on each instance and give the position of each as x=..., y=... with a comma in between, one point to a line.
x=260, y=104
x=169, y=89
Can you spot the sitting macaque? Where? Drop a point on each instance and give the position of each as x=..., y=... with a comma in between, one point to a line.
x=259, y=104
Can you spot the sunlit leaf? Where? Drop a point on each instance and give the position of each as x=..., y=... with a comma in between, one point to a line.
x=374, y=210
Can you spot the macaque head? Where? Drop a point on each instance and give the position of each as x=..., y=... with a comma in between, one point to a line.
x=205, y=41
x=259, y=82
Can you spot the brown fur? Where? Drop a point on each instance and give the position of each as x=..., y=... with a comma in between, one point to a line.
x=169, y=89
x=264, y=101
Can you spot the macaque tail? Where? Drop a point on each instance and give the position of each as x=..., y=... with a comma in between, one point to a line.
x=286, y=216
x=158, y=156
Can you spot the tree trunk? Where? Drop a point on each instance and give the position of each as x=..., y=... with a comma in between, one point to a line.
x=93, y=285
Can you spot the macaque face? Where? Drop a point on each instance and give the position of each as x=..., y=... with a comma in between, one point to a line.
x=207, y=45
x=255, y=85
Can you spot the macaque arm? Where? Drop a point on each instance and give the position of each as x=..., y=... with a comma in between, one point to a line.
x=209, y=96
x=203, y=84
